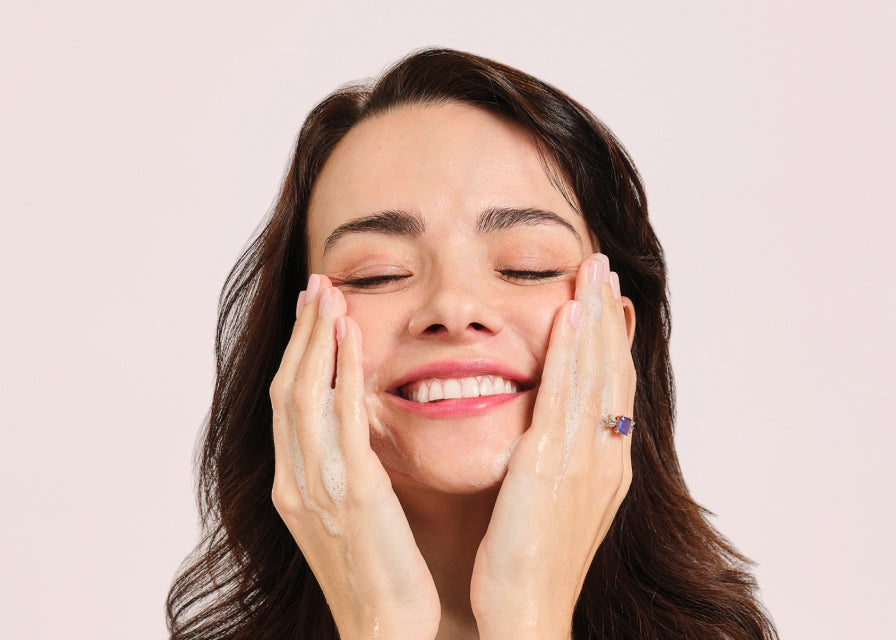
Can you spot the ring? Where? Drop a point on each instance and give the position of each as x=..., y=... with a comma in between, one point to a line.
x=620, y=424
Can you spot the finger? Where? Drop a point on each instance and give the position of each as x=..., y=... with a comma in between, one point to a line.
x=348, y=398
x=612, y=458
x=592, y=283
x=281, y=386
x=624, y=397
x=306, y=317
x=619, y=370
x=318, y=362
x=288, y=462
x=314, y=420
x=544, y=443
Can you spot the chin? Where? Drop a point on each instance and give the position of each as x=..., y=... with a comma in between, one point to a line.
x=457, y=456
x=456, y=475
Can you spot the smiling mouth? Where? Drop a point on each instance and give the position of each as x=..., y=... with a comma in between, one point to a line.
x=440, y=389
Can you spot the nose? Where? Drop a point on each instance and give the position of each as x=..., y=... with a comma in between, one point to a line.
x=456, y=310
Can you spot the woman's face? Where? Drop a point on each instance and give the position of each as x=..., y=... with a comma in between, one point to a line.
x=454, y=251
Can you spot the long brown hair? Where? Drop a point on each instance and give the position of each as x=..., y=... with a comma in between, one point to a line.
x=661, y=572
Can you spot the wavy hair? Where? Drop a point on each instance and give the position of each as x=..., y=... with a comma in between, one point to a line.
x=661, y=572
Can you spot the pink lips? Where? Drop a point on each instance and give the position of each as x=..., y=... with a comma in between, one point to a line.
x=458, y=407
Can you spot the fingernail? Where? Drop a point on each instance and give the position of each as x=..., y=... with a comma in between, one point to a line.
x=575, y=314
x=595, y=271
x=614, y=283
x=605, y=276
x=313, y=287
x=324, y=302
x=340, y=329
x=300, y=303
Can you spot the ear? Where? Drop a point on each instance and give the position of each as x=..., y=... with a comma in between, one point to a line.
x=629, y=309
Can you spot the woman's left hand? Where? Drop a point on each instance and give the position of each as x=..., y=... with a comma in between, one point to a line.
x=567, y=475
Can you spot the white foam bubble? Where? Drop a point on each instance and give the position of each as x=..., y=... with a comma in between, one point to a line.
x=541, y=445
x=500, y=463
x=332, y=468
x=329, y=521
x=298, y=466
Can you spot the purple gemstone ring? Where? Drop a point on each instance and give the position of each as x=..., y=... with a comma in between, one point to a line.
x=620, y=424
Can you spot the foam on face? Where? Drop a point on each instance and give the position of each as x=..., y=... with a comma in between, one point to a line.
x=374, y=405
x=501, y=462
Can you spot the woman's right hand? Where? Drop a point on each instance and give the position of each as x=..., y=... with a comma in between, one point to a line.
x=331, y=489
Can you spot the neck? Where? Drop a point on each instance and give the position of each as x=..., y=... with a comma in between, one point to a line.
x=448, y=529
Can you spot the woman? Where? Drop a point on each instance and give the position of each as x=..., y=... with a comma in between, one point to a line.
x=432, y=322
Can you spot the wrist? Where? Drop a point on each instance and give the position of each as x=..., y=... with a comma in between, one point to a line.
x=388, y=631
x=363, y=623
x=529, y=625
x=527, y=633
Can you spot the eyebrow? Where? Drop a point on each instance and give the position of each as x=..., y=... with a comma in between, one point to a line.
x=501, y=218
x=397, y=223
x=412, y=225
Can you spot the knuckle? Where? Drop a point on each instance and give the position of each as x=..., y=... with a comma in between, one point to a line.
x=277, y=391
x=375, y=487
x=611, y=477
x=286, y=500
x=317, y=495
x=573, y=474
x=626, y=483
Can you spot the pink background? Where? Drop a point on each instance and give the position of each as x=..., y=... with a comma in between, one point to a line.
x=142, y=145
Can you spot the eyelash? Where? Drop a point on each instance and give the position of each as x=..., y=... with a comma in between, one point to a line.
x=511, y=274
x=372, y=281
x=530, y=275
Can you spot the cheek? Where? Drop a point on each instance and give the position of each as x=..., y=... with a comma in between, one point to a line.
x=533, y=315
x=380, y=320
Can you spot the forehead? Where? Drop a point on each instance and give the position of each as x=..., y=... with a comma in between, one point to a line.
x=446, y=162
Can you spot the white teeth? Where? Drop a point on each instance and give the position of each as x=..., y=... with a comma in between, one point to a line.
x=451, y=388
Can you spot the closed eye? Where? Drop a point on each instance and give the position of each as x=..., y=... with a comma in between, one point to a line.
x=372, y=281
x=530, y=276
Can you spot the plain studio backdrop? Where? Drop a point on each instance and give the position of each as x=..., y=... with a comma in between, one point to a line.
x=142, y=144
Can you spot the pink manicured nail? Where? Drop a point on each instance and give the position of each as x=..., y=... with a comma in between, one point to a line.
x=340, y=329
x=575, y=314
x=313, y=287
x=614, y=283
x=595, y=271
x=324, y=302
x=300, y=303
x=606, y=261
